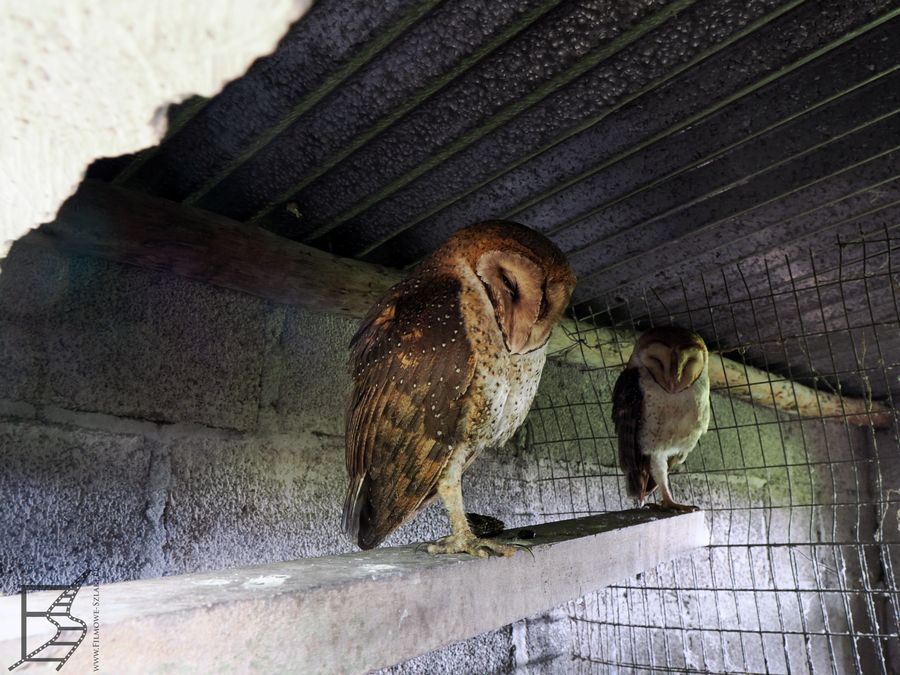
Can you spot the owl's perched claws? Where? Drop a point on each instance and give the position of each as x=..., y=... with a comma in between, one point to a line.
x=683, y=508
x=480, y=548
x=673, y=506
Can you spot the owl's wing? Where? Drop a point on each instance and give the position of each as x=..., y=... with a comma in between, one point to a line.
x=628, y=413
x=412, y=365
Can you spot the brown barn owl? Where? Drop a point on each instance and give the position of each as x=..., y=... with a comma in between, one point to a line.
x=445, y=365
x=660, y=409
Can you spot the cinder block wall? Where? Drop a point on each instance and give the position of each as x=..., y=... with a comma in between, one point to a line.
x=151, y=425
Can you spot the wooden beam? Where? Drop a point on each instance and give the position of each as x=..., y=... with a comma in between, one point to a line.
x=124, y=226
x=352, y=613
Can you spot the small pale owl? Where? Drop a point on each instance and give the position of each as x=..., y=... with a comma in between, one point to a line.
x=446, y=364
x=660, y=409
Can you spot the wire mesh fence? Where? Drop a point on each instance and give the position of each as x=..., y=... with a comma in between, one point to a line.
x=803, y=512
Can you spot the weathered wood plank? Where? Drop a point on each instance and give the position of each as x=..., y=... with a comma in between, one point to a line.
x=124, y=226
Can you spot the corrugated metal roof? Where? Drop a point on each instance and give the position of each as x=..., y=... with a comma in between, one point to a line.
x=677, y=151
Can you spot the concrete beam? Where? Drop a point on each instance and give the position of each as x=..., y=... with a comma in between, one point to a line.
x=356, y=612
x=124, y=226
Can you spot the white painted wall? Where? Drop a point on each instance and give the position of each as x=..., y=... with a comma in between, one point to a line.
x=84, y=79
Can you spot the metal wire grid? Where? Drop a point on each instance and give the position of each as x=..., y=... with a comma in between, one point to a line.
x=800, y=576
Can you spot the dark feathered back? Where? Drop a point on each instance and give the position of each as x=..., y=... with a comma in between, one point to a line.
x=628, y=411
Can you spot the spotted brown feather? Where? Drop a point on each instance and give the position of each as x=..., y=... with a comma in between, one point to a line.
x=411, y=366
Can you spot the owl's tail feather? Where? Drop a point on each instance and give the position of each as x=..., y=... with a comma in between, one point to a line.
x=639, y=483
x=353, y=503
x=359, y=519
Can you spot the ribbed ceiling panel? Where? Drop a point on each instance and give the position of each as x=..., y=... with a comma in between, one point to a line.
x=678, y=151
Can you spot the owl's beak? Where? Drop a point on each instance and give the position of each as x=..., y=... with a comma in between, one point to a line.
x=674, y=384
x=518, y=340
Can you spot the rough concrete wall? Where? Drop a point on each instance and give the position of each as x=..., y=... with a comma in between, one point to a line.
x=151, y=425
x=84, y=79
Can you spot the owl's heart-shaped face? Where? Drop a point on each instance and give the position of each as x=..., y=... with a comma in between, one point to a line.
x=675, y=358
x=527, y=302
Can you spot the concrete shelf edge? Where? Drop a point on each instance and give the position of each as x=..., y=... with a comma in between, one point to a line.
x=359, y=611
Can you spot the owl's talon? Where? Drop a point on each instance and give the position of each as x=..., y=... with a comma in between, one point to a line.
x=685, y=508
x=674, y=506
x=474, y=546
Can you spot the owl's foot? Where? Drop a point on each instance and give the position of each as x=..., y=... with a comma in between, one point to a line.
x=669, y=505
x=480, y=548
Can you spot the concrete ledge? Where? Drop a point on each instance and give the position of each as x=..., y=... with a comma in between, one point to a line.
x=356, y=612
